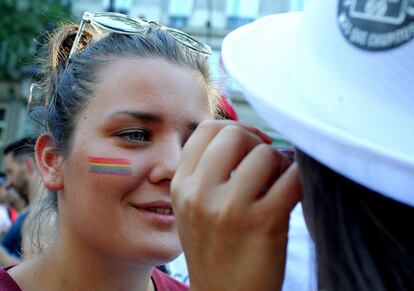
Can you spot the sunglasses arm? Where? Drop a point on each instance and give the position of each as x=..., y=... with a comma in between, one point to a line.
x=77, y=39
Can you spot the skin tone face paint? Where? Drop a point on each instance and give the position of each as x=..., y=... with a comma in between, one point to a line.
x=110, y=166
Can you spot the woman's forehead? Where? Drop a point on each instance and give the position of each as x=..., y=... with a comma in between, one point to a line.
x=149, y=76
x=151, y=85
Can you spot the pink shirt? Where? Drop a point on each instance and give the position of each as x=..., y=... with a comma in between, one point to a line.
x=162, y=282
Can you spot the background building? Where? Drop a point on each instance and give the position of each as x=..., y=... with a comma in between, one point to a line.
x=207, y=20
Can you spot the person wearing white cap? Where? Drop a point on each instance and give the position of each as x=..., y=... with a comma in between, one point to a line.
x=338, y=81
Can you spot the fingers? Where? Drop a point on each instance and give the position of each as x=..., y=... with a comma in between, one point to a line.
x=200, y=140
x=257, y=172
x=220, y=147
x=225, y=152
x=209, y=156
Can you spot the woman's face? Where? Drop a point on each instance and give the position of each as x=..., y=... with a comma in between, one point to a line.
x=126, y=146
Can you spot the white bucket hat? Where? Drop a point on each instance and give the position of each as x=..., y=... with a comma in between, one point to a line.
x=338, y=82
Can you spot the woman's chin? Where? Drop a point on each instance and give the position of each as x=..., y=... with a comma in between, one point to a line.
x=165, y=256
x=154, y=256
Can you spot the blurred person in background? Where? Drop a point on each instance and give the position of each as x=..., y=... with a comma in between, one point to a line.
x=14, y=201
x=5, y=220
x=21, y=183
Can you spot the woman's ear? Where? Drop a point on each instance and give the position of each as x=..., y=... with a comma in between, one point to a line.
x=49, y=162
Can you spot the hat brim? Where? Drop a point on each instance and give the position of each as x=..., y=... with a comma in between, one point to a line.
x=258, y=56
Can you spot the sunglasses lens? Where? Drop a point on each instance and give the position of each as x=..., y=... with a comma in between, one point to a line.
x=189, y=41
x=119, y=23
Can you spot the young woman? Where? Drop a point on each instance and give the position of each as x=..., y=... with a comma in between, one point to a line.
x=118, y=109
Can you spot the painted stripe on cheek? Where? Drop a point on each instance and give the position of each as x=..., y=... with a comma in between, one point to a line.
x=110, y=166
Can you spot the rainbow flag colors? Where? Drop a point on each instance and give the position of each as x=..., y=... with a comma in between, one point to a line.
x=110, y=166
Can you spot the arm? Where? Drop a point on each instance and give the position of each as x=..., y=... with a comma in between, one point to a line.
x=233, y=228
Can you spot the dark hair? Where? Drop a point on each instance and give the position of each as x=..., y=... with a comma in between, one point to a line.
x=21, y=148
x=363, y=239
x=66, y=87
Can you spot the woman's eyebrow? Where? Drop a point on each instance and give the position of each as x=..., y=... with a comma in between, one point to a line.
x=139, y=115
x=149, y=117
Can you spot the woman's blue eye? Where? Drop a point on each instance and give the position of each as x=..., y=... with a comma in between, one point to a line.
x=137, y=135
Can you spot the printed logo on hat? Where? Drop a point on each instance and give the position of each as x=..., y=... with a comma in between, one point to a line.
x=376, y=25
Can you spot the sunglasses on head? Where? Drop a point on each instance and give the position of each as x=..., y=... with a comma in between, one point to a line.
x=120, y=23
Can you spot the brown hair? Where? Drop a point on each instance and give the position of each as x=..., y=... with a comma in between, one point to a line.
x=363, y=239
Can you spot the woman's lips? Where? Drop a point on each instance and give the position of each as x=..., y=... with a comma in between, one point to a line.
x=157, y=211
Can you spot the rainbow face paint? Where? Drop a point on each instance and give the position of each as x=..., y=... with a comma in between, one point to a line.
x=110, y=166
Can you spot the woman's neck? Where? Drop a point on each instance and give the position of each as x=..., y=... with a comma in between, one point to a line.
x=70, y=265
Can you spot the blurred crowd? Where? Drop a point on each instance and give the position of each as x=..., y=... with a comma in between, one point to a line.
x=18, y=185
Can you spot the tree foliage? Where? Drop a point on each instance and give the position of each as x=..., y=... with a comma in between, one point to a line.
x=23, y=26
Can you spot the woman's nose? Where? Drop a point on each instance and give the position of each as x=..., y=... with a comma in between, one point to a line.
x=166, y=161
